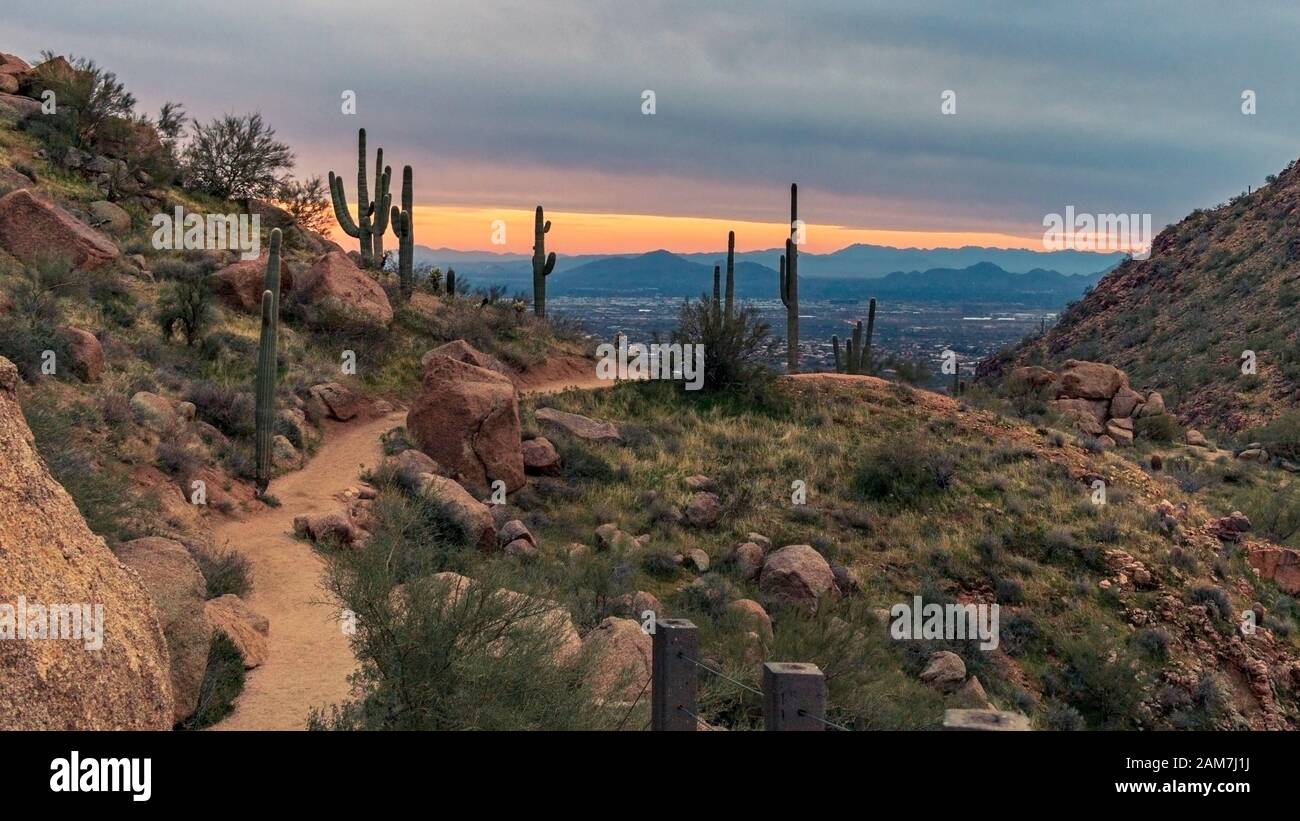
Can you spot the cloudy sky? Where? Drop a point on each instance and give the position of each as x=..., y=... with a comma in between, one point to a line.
x=1112, y=107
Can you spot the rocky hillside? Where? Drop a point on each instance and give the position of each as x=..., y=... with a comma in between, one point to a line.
x=1221, y=282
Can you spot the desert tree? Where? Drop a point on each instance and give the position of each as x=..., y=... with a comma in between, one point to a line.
x=308, y=202
x=236, y=157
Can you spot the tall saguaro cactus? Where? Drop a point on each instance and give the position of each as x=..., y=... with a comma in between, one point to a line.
x=403, y=221
x=790, y=286
x=731, y=273
x=266, y=364
x=451, y=282
x=543, y=263
x=372, y=215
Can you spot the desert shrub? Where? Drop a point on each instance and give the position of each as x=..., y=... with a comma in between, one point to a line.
x=1153, y=641
x=1063, y=717
x=734, y=348
x=1160, y=428
x=24, y=343
x=904, y=474
x=185, y=304
x=228, y=409
x=223, y=681
x=439, y=656
x=172, y=456
x=1281, y=437
x=224, y=571
x=116, y=303
x=308, y=202
x=395, y=441
x=1105, y=686
x=168, y=269
x=1274, y=512
x=1215, y=600
x=90, y=99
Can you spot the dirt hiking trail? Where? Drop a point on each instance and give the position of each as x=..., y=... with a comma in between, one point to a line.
x=308, y=658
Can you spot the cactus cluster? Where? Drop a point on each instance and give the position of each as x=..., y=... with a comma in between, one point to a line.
x=857, y=357
x=372, y=215
x=266, y=365
x=790, y=286
x=543, y=263
x=403, y=223
x=725, y=310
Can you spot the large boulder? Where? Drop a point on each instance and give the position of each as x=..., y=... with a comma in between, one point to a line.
x=32, y=229
x=620, y=655
x=580, y=426
x=1090, y=380
x=1087, y=415
x=1125, y=402
x=245, y=627
x=1031, y=376
x=797, y=575
x=176, y=584
x=339, y=401
x=86, y=353
x=472, y=516
x=48, y=556
x=334, y=290
x=241, y=284
x=13, y=64
x=467, y=419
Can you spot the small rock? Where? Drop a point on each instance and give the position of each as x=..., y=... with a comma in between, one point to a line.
x=752, y=615
x=696, y=559
x=748, y=558
x=945, y=671
x=540, y=457
x=514, y=530
x=700, y=482
x=1196, y=439
x=703, y=510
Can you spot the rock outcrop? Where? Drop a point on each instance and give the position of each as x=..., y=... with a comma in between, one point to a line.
x=49, y=557
x=248, y=629
x=1093, y=397
x=241, y=284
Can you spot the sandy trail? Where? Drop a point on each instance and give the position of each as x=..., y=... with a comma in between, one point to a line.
x=309, y=659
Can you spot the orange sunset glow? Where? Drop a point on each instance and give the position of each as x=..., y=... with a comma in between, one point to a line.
x=572, y=233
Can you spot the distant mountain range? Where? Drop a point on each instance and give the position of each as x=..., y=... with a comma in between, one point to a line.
x=666, y=274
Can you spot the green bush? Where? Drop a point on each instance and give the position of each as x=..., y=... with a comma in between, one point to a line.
x=224, y=571
x=904, y=473
x=223, y=681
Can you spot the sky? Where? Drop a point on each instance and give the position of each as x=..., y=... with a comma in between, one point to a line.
x=1109, y=107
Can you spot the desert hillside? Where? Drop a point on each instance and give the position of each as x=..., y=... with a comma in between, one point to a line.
x=1222, y=282
x=328, y=489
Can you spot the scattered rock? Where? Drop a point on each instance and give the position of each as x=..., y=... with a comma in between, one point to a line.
x=409, y=464
x=540, y=457
x=580, y=426
x=521, y=549
x=1253, y=455
x=620, y=652
x=1091, y=380
x=513, y=530
x=1196, y=439
x=1125, y=402
x=109, y=217
x=1120, y=430
x=971, y=695
x=696, y=559
x=156, y=413
x=748, y=558
x=703, y=509
x=86, y=353
x=945, y=672
x=797, y=575
x=760, y=540
x=609, y=537
x=320, y=526
x=700, y=482
x=339, y=400
x=174, y=581
x=467, y=418
x=1229, y=528
x=752, y=616
x=283, y=454
x=984, y=720
x=244, y=626
x=32, y=228
x=462, y=351
x=469, y=513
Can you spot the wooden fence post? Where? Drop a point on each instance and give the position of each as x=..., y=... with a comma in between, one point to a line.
x=794, y=696
x=673, y=678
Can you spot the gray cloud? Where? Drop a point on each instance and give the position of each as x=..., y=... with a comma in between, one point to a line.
x=1105, y=106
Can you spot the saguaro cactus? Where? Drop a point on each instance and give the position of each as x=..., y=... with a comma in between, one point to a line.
x=871, y=330
x=372, y=215
x=731, y=273
x=716, y=306
x=403, y=222
x=264, y=392
x=543, y=263
x=451, y=282
x=790, y=286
